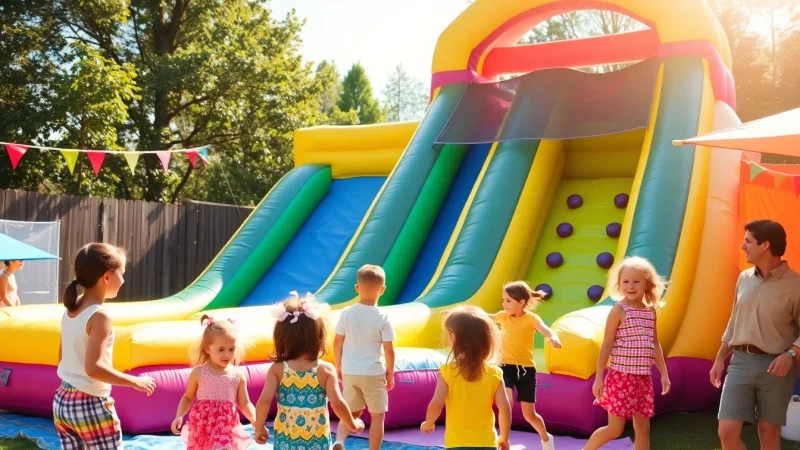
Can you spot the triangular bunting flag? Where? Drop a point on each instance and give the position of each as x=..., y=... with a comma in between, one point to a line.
x=71, y=158
x=203, y=152
x=796, y=185
x=755, y=169
x=779, y=179
x=96, y=158
x=15, y=153
x=132, y=158
x=164, y=157
x=192, y=155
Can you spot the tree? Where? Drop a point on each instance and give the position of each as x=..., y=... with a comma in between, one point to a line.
x=406, y=97
x=328, y=100
x=357, y=95
x=185, y=73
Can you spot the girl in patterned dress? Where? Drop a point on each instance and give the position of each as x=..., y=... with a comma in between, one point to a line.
x=302, y=383
x=220, y=387
x=631, y=340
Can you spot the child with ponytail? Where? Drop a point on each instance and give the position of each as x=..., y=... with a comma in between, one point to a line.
x=83, y=410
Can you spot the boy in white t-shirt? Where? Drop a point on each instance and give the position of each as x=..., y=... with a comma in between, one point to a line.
x=360, y=333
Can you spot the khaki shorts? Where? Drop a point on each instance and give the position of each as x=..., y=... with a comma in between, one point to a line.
x=368, y=391
x=752, y=394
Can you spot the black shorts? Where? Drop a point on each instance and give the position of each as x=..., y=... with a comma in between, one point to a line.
x=523, y=379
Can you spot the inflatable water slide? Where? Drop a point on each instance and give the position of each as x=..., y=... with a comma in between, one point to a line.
x=549, y=176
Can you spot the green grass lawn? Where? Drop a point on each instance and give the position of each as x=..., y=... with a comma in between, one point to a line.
x=670, y=432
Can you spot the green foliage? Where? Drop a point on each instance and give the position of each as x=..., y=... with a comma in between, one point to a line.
x=357, y=95
x=145, y=75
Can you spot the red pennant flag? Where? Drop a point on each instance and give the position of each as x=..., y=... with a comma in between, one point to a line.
x=96, y=158
x=164, y=157
x=15, y=153
x=192, y=155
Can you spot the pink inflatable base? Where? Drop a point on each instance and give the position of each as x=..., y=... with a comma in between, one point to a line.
x=564, y=402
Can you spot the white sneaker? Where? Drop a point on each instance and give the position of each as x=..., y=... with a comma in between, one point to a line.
x=338, y=446
x=550, y=444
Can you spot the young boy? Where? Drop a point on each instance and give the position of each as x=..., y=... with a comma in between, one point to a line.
x=8, y=283
x=360, y=333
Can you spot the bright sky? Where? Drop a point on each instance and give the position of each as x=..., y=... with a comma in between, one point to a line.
x=377, y=33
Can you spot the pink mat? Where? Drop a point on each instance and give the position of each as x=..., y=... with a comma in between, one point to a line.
x=520, y=440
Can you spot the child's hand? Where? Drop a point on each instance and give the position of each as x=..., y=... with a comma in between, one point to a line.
x=262, y=435
x=555, y=341
x=359, y=426
x=427, y=427
x=389, y=381
x=597, y=387
x=666, y=385
x=144, y=384
x=176, y=425
x=502, y=444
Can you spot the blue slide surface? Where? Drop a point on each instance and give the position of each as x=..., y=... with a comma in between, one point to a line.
x=428, y=259
x=315, y=250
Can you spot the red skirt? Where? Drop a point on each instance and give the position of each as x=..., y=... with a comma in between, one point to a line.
x=627, y=395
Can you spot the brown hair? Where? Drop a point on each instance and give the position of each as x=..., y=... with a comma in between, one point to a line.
x=522, y=292
x=476, y=340
x=770, y=231
x=91, y=263
x=214, y=328
x=299, y=335
x=656, y=285
x=370, y=273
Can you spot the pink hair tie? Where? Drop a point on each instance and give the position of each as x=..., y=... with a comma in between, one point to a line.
x=208, y=321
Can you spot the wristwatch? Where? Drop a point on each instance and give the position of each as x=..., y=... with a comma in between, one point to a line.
x=791, y=353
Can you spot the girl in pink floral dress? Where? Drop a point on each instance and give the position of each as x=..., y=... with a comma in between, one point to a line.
x=219, y=387
x=631, y=341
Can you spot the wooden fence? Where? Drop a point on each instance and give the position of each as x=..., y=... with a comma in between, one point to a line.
x=168, y=246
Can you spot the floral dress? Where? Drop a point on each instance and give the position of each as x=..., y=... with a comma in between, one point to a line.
x=214, y=421
x=302, y=420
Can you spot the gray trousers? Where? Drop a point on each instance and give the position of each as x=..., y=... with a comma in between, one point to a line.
x=750, y=393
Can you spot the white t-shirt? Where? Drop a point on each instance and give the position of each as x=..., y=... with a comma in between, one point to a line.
x=365, y=329
x=74, y=339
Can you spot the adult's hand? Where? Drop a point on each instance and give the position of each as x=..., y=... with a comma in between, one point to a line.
x=715, y=375
x=780, y=365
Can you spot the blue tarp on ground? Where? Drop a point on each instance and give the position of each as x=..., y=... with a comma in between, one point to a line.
x=12, y=249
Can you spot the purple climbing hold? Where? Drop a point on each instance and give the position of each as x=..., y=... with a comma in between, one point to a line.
x=574, y=201
x=554, y=260
x=614, y=229
x=595, y=293
x=605, y=260
x=564, y=229
x=621, y=200
x=547, y=289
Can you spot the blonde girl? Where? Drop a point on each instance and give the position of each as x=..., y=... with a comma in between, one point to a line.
x=631, y=341
x=219, y=386
x=469, y=383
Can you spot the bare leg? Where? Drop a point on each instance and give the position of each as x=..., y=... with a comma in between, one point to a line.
x=533, y=418
x=730, y=435
x=376, y=431
x=769, y=435
x=614, y=429
x=342, y=432
x=641, y=430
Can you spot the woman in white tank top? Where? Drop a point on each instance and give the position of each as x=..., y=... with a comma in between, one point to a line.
x=83, y=410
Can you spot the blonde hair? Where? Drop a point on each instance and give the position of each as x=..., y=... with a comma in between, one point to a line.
x=655, y=282
x=522, y=292
x=476, y=340
x=213, y=329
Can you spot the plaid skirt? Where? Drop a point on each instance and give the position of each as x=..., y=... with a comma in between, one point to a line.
x=85, y=422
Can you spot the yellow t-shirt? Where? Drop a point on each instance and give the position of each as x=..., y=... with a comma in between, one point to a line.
x=469, y=415
x=518, y=333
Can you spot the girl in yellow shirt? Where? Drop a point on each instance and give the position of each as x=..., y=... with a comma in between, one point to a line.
x=469, y=383
x=519, y=326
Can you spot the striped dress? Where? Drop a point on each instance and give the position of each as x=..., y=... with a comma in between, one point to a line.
x=634, y=351
x=302, y=420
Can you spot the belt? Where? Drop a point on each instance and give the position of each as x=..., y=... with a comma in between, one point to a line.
x=751, y=349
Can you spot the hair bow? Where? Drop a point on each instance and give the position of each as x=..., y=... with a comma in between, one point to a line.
x=307, y=306
x=211, y=321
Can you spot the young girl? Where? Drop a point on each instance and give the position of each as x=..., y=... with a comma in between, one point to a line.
x=220, y=387
x=83, y=410
x=302, y=382
x=631, y=340
x=519, y=326
x=469, y=384
x=8, y=283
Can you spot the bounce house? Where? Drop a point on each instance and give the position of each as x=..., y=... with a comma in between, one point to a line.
x=549, y=176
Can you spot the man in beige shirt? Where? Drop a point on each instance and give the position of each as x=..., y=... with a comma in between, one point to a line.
x=763, y=335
